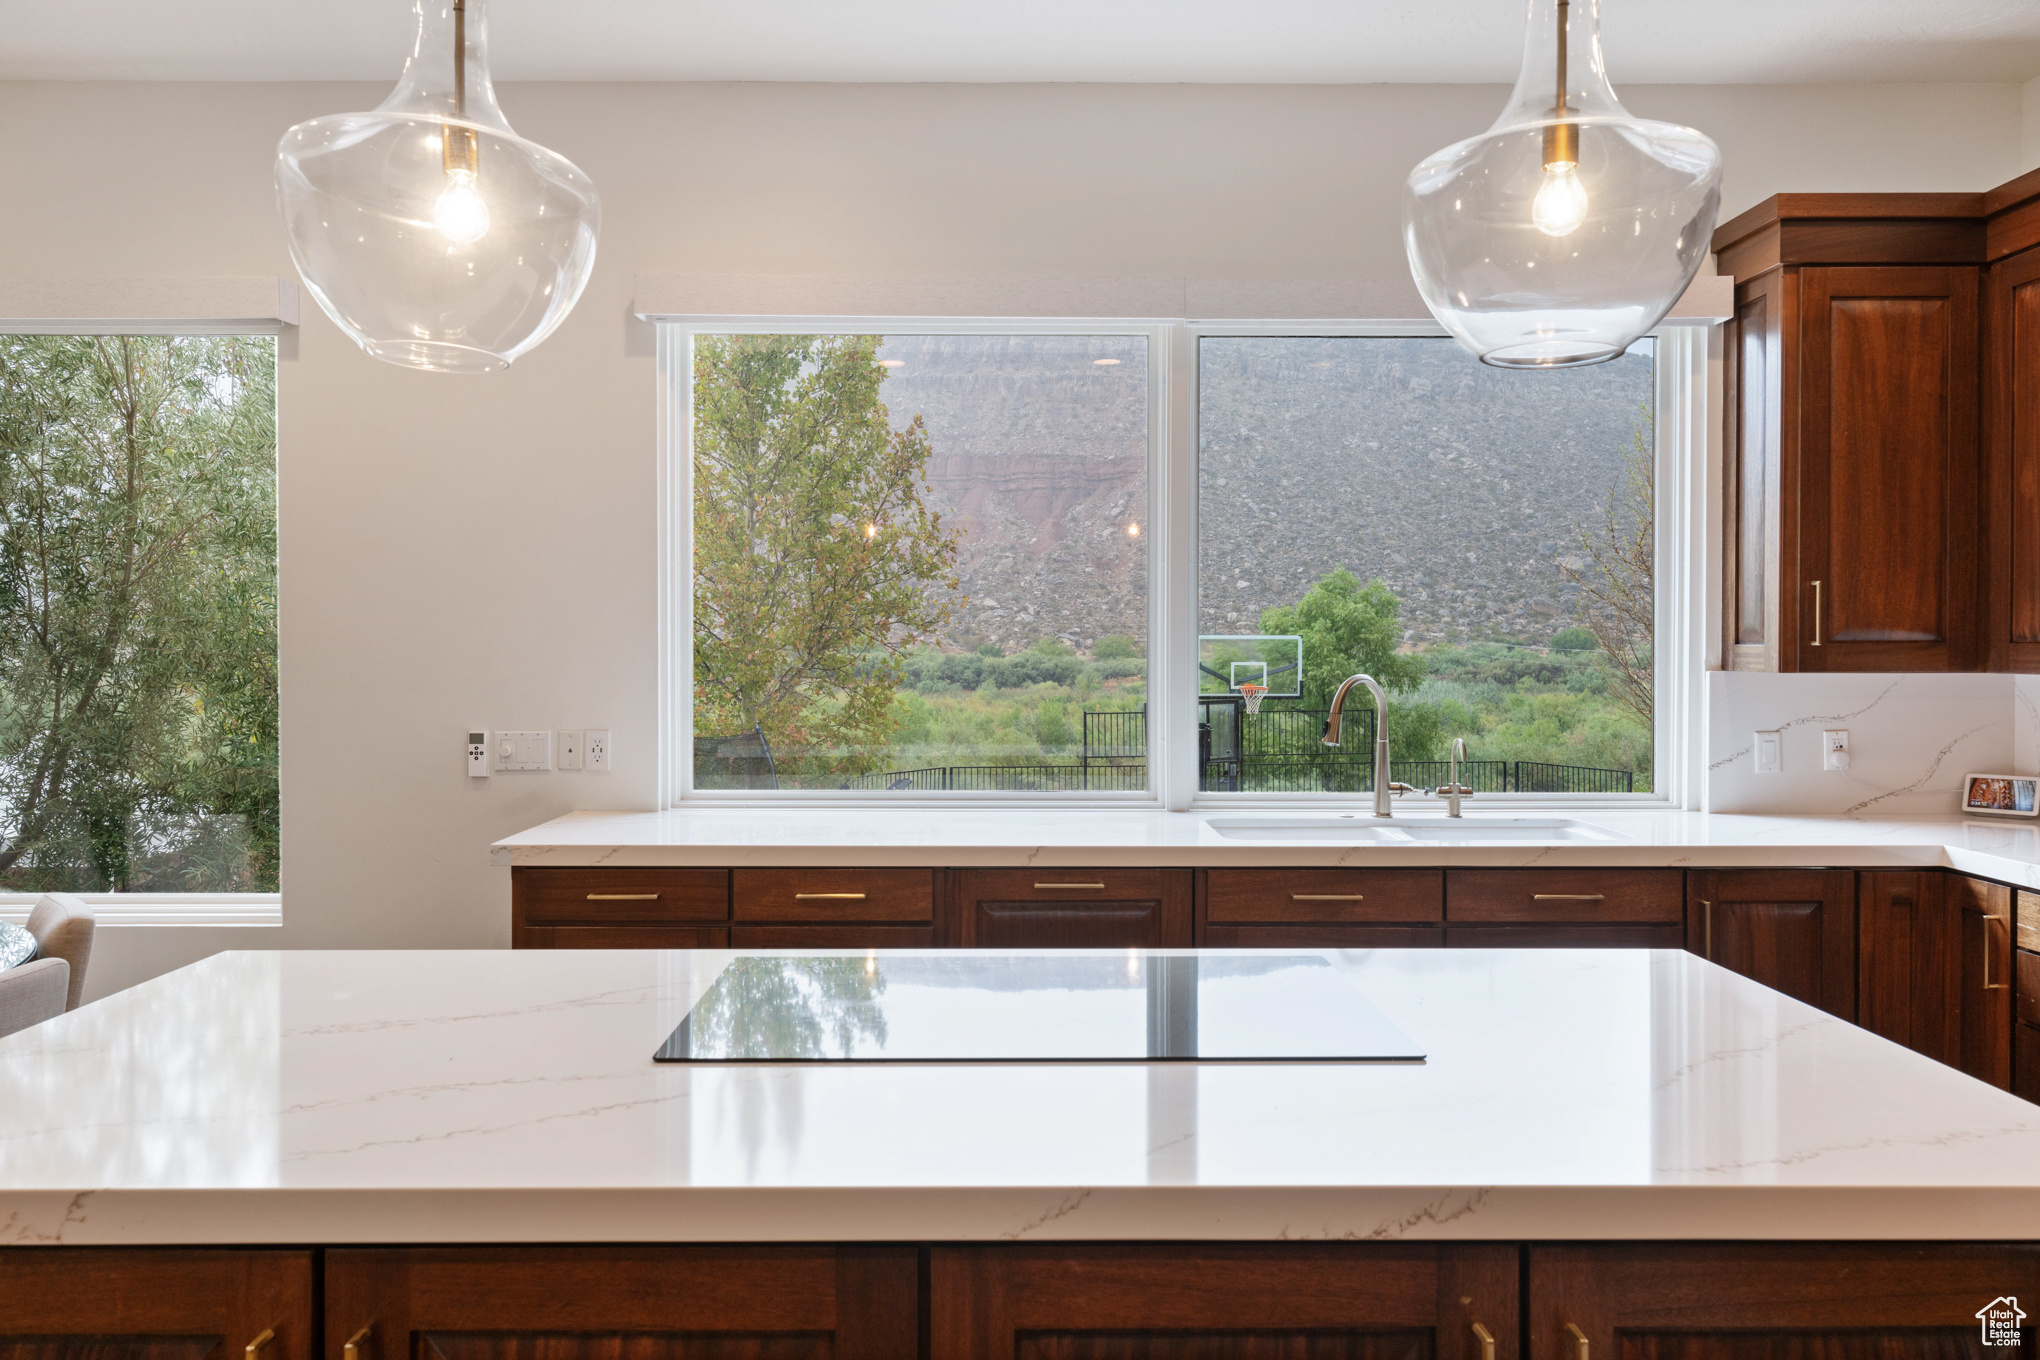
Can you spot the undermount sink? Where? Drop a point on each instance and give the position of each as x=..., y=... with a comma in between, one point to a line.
x=1360, y=829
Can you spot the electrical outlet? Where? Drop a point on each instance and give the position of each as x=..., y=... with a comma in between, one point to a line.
x=1770, y=753
x=597, y=749
x=570, y=750
x=523, y=751
x=1834, y=749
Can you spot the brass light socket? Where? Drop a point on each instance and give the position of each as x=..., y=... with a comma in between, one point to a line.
x=1561, y=144
x=460, y=152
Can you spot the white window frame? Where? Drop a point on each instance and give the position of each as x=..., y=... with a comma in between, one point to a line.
x=250, y=305
x=1687, y=393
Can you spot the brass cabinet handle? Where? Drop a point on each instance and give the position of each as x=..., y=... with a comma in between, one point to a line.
x=1816, y=613
x=1988, y=985
x=853, y=897
x=1579, y=1340
x=623, y=897
x=1568, y=897
x=1707, y=931
x=1069, y=885
x=1487, y=1341
x=1328, y=897
x=352, y=1350
x=255, y=1346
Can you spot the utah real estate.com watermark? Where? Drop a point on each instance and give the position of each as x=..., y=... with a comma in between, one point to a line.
x=2001, y=1318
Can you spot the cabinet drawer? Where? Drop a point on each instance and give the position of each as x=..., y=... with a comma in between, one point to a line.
x=1323, y=937
x=1566, y=937
x=624, y=937
x=854, y=936
x=2026, y=1062
x=833, y=895
x=2028, y=928
x=1318, y=896
x=1535, y=895
x=1073, y=909
x=622, y=896
x=2027, y=985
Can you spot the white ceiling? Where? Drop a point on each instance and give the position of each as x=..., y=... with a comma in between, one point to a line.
x=1702, y=41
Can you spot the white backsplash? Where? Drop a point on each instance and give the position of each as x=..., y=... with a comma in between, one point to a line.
x=1911, y=739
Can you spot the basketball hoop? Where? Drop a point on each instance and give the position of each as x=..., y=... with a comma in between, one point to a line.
x=1253, y=694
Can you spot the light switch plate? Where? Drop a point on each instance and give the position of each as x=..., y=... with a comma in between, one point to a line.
x=523, y=751
x=1770, y=753
x=597, y=749
x=570, y=750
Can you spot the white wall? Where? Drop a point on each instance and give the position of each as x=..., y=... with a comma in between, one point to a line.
x=480, y=550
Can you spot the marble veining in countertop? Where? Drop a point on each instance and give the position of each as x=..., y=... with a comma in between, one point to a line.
x=985, y=835
x=444, y=1096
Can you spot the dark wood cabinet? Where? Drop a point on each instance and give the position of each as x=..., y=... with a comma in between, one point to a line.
x=2012, y=463
x=624, y=1303
x=1073, y=909
x=1320, y=908
x=1769, y=1301
x=1909, y=961
x=620, y=908
x=104, y=1303
x=832, y=896
x=1224, y=1302
x=1790, y=929
x=1564, y=908
x=1984, y=923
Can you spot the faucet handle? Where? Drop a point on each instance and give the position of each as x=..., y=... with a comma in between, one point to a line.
x=1398, y=788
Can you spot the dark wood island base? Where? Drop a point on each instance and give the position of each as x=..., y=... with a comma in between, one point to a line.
x=1047, y=1301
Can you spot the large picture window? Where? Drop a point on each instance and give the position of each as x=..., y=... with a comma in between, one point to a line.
x=920, y=562
x=1481, y=541
x=138, y=697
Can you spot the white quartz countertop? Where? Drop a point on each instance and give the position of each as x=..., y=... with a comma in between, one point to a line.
x=1105, y=837
x=336, y=1097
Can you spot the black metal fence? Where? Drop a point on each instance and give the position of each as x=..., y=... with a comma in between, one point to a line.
x=1123, y=778
x=1532, y=777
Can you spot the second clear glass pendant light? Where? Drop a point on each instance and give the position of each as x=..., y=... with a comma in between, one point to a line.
x=433, y=234
x=1568, y=229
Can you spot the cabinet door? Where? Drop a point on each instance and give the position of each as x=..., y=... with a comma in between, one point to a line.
x=2012, y=460
x=1752, y=510
x=1206, y=1302
x=1073, y=909
x=1909, y=962
x=97, y=1303
x=1770, y=1301
x=1985, y=923
x=1790, y=929
x=1889, y=532
x=624, y=1303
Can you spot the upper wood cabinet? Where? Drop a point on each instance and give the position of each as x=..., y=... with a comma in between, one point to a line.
x=2011, y=381
x=1851, y=500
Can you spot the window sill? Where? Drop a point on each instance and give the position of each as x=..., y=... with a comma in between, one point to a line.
x=163, y=909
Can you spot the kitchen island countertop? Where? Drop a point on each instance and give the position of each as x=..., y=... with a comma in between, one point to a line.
x=497, y=1096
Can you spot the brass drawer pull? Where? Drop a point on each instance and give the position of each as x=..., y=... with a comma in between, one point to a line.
x=1327, y=897
x=1707, y=933
x=1816, y=613
x=851, y=897
x=1487, y=1341
x=255, y=1346
x=1579, y=1339
x=1988, y=985
x=1069, y=885
x=623, y=897
x=352, y=1350
x=1568, y=897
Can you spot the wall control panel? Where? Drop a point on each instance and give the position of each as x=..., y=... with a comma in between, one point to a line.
x=522, y=751
x=478, y=753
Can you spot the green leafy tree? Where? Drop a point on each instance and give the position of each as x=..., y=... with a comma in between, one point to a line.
x=1617, y=578
x=138, y=723
x=818, y=562
x=1346, y=628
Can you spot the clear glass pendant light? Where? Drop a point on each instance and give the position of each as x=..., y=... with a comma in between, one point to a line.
x=1569, y=228
x=432, y=233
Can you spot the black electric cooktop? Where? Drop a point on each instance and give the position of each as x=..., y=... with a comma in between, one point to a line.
x=1069, y=1006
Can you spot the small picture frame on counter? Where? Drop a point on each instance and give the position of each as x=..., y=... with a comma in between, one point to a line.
x=2001, y=795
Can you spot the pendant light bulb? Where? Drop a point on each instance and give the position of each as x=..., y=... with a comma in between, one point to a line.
x=1561, y=202
x=1565, y=232
x=430, y=232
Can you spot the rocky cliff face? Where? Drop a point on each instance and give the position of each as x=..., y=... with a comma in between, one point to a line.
x=1459, y=485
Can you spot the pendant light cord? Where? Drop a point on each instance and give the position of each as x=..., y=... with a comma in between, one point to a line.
x=460, y=59
x=1563, y=7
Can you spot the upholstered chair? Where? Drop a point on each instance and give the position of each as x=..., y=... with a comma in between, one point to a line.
x=62, y=926
x=32, y=992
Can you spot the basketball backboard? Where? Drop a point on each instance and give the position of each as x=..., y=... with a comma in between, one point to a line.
x=1225, y=661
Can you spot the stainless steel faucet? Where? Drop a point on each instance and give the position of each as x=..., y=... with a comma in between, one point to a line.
x=1383, y=786
x=1454, y=791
